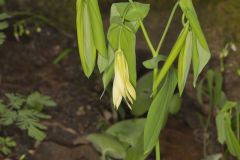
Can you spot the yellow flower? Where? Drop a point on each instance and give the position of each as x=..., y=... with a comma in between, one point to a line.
x=122, y=88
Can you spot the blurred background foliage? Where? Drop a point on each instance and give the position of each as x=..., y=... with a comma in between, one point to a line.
x=220, y=20
x=218, y=15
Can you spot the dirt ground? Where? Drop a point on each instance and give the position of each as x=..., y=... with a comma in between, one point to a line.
x=27, y=65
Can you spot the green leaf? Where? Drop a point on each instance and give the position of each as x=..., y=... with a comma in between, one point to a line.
x=16, y=101
x=200, y=92
x=127, y=12
x=118, y=10
x=158, y=112
x=108, y=72
x=10, y=142
x=136, y=152
x=107, y=145
x=210, y=80
x=153, y=62
x=143, y=91
x=3, y=25
x=128, y=131
x=108, y=75
x=195, y=60
x=224, y=129
x=87, y=49
x=220, y=128
x=175, y=104
x=4, y=16
x=63, y=54
x=30, y=120
x=231, y=140
x=104, y=63
x=97, y=27
x=201, y=53
x=3, y=107
x=211, y=86
x=184, y=63
x=189, y=11
x=36, y=133
x=133, y=25
x=139, y=11
x=6, y=145
x=124, y=13
x=228, y=106
x=119, y=36
x=172, y=56
x=38, y=101
x=8, y=117
x=203, y=56
x=214, y=83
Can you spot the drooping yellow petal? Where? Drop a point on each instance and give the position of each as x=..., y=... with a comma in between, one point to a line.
x=131, y=90
x=122, y=88
x=117, y=97
x=118, y=81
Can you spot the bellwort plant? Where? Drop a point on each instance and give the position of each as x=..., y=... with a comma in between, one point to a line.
x=116, y=60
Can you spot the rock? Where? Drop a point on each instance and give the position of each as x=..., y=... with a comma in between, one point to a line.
x=53, y=151
x=61, y=134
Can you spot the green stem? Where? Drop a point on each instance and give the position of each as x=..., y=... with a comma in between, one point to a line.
x=238, y=123
x=157, y=150
x=155, y=71
x=205, y=136
x=167, y=27
x=149, y=43
x=154, y=53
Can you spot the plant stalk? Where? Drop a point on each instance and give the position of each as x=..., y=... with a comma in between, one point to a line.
x=155, y=71
x=238, y=123
x=167, y=27
x=154, y=53
x=205, y=134
x=157, y=150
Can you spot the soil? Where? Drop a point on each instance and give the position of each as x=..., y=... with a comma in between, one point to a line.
x=27, y=66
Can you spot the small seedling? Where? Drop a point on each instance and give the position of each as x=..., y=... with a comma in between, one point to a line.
x=6, y=145
x=26, y=113
x=228, y=112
